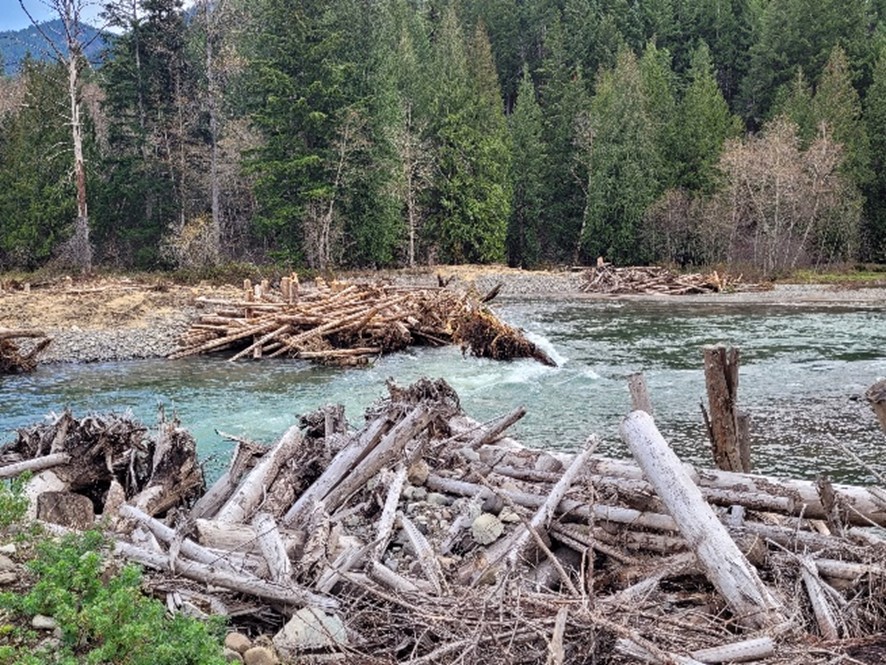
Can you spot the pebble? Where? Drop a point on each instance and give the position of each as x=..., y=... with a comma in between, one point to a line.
x=260, y=656
x=238, y=642
x=41, y=622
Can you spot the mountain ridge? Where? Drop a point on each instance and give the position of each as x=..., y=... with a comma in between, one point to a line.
x=15, y=45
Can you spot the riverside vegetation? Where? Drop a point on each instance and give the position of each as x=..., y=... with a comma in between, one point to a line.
x=327, y=134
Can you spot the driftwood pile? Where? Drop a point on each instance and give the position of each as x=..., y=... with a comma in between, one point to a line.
x=426, y=537
x=350, y=324
x=653, y=280
x=12, y=359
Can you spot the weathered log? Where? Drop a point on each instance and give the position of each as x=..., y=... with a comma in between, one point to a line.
x=289, y=594
x=251, y=491
x=240, y=537
x=388, y=517
x=338, y=468
x=724, y=564
x=876, y=396
x=639, y=393
x=824, y=617
x=272, y=547
x=731, y=450
x=737, y=652
x=386, y=452
x=35, y=464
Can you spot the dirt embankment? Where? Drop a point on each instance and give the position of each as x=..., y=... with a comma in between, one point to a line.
x=118, y=318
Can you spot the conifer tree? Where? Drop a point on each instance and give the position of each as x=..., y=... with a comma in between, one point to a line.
x=704, y=125
x=530, y=158
x=836, y=103
x=875, y=191
x=794, y=101
x=623, y=162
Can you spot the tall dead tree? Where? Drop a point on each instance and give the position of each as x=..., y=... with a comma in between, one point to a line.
x=71, y=54
x=727, y=426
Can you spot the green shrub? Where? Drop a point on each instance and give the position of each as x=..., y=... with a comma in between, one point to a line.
x=103, y=615
x=13, y=502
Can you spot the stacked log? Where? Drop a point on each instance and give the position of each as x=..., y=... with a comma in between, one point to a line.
x=12, y=359
x=425, y=536
x=655, y=280
x=351, y=324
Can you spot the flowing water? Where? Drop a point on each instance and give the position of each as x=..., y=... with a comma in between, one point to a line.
x=803, y=374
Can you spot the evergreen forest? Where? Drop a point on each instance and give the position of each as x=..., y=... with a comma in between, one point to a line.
x=333, y=134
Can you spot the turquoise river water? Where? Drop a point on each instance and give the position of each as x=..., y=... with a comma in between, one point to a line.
x=803, y=375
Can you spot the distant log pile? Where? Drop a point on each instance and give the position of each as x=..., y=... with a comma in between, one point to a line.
x=426, y=537
x=12, y=359
x=654, y=280
x=350, y=324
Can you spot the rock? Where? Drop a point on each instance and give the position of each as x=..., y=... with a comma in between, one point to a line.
x=67, y=509
x=8, y=577
x=8, y=549
x=232, y=656
x=418, y=472
x=311, y=628
x=260, y=656
x=415, y=493
x=6, y=563
x=45, y=481
x=41, y=622
x=508, y=515
x=238, y=642
x=486, y=528
x=438, y=499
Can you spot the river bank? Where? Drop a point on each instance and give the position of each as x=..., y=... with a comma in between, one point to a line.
x=107, y=319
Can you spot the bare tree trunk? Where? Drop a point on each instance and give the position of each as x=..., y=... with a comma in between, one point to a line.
x=212, y=103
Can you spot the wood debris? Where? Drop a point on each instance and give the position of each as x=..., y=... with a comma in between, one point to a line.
x=424, y=536
x=351, y=324
x=12, y=359
x=656, y=280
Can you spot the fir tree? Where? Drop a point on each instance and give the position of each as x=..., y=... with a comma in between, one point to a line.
x=530, y=158
x=875, y=191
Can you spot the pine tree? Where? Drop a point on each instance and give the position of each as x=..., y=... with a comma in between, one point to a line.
x=624, y=164
x=705, y=124
x=657, y=79
x=529, y=155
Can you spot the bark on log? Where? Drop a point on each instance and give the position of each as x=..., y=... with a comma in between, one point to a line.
x=724, y=564
x=249, y=494
x=721, y=380
x=737, y=652
x=639, y=393
x=240, y=537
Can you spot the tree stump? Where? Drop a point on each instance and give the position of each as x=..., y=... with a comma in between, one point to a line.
x=727, y=427
x=876, y=395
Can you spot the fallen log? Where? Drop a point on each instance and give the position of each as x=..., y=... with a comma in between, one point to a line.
x=725, y=565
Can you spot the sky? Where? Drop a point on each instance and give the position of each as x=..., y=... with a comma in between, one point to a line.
x=12, y=17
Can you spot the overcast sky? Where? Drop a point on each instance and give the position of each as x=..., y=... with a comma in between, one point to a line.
x=13, y=18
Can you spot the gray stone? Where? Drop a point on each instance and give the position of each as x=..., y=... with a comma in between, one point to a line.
x=6, y=563
x=8, y=577
x=418, y=472
x=238, y=642
x=486, y=528
x=41, y=622
x=311, y=628
x=260, y=656
x=438, y=499
x=9, y=548
x=232, y=656
x=67, y=509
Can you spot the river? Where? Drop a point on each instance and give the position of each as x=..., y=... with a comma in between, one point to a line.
x=803, y=375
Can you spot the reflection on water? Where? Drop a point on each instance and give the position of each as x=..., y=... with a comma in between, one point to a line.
x=803, y=372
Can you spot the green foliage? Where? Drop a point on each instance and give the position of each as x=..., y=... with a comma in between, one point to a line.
x=13, y=502
x=103, y=616
x=875, y=190
x=625, y=165
x=472, y=193
x=530, y=157
x=704, y=125
x=37, y=202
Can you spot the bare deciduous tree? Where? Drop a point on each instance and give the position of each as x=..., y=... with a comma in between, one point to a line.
x=416, y=162
x=786, y=207
x=71, y=55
